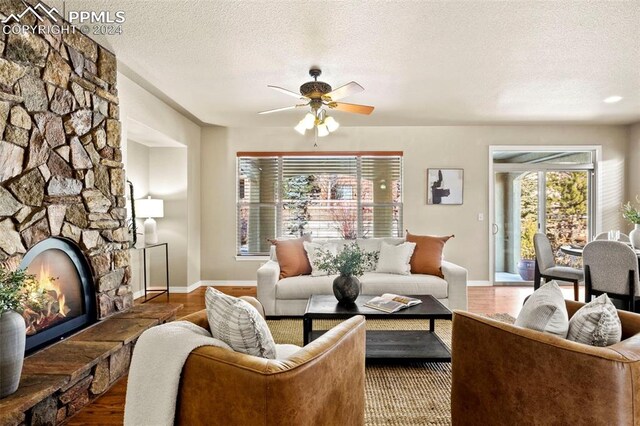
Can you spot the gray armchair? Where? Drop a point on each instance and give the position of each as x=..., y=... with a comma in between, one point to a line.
x=546, y=266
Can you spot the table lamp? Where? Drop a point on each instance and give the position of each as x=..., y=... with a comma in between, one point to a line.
x=150, y=208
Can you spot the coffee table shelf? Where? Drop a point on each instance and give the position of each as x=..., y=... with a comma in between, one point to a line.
x=396, y=345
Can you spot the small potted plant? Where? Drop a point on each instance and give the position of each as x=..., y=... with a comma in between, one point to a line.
x=12, y=327
x=632, y=214
x=527, y=264
x=351, y=262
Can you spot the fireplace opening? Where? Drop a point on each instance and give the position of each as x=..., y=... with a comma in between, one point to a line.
x=63, y=300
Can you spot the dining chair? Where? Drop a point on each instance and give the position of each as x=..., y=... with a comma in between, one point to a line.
x=611, y=267
x=624, y=238
x=545, y=266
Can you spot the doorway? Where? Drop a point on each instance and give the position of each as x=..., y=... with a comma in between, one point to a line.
x=539, y=191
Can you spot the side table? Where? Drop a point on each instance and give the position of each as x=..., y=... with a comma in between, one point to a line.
x=144, y=249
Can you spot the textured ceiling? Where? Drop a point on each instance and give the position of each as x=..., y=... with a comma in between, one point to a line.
x=421, y=63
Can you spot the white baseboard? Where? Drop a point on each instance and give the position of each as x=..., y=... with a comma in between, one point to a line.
x=228, y=283
x=479, y=283
x=172, y=289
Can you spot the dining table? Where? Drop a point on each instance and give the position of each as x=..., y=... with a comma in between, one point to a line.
x=576, y=250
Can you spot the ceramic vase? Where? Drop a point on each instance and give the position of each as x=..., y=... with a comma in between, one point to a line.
x=634, y=236
x=527, y=269
x=13, y=335
x=346, y=289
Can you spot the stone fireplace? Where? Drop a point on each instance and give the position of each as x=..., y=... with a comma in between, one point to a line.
x=64, y=298
x=61, y=173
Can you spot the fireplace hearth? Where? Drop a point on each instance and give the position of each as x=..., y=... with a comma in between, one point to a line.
x=63, y=301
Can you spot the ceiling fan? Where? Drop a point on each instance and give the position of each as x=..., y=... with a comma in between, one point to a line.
x=319, y=96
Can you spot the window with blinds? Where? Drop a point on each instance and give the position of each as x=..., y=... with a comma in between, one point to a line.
x=328, y=196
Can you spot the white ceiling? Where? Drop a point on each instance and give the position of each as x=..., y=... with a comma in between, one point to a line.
x=421, y=63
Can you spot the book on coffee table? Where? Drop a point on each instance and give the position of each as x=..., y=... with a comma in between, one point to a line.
x=391, y=303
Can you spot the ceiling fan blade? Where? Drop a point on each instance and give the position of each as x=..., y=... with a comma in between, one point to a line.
x=282, y=109
x=288, y=92
x=344, y=91
x=277, y=110
x=355, y=108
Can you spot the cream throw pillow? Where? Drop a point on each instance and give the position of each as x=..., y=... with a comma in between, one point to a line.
x=239, y=325
x=395, y=259
x=545, y=311
x=313, y=253
x=596, y=323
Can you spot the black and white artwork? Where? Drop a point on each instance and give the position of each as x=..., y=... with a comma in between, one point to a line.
x=445, y=186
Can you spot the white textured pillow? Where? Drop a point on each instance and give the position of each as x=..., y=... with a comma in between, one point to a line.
x=239, y=325
x=313, y=254
x=395, y=259
x=596, y=323
x=545, y=311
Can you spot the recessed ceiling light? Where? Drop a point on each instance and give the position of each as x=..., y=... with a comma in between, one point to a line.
x=612, y=99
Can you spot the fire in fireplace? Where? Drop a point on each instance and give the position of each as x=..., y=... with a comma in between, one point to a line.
x=63, y=299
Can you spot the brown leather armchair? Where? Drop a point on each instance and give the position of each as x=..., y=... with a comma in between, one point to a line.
x=508, y=375
x=322, y=384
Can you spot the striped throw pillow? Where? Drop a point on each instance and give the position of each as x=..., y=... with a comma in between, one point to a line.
x=596, y=323
x=239, y=325
x=545, y=311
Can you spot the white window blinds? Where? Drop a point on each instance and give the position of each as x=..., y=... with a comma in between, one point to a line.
x=327, y=196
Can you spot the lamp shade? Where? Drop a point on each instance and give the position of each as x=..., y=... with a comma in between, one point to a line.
x=149, y=207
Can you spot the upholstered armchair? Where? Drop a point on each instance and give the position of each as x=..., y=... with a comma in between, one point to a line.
x=508, y=375
x=321, y=384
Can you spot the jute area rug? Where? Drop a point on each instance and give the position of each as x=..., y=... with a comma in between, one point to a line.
x=396, y=394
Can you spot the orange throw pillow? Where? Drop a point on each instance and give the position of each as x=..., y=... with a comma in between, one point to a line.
x=292, y=257
x=427, y=256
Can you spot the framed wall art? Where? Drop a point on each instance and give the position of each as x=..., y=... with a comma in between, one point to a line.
x=445, y=186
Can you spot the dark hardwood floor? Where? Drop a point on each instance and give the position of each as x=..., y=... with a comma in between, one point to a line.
x=109, y=408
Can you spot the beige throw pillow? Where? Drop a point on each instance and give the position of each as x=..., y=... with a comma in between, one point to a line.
x=596, y=323
x=545, y=311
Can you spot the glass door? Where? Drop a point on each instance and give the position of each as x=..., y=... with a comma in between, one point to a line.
x=516, y=212
x=566, y=211
x=538, y=196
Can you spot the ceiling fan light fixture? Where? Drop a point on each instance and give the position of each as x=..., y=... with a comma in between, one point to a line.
x=301, y=127
x=332, y=124
x=322, y=130
x=320, y=97
x=309, y=121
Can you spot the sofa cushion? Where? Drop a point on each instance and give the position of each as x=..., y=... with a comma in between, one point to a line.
x=374, y=283
x=314, y=251
x=395, y=259
x=238, y=324
x=427, y=256
x=546, y=311
x=303, y=287
x=292, y=257
x=596, y=323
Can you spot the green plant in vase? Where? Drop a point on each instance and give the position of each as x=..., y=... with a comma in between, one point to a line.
x=13, y=295
x=632, y=214
x=350, y=262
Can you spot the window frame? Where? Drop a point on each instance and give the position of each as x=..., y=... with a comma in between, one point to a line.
x=279, y=203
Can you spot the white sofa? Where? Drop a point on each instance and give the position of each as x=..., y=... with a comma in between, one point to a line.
x=289, y=296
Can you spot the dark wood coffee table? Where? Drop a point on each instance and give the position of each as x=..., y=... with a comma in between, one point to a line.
x=406, y=345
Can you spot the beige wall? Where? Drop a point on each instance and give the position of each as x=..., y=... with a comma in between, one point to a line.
x=168, y=180
x=463, y=146
x=633, y=163
x=181, y=225
x=137, y=169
